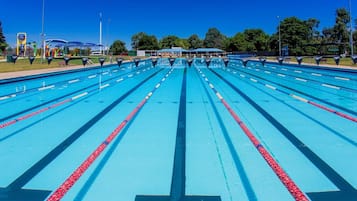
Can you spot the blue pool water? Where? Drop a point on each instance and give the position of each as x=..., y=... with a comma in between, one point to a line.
x=183, y=140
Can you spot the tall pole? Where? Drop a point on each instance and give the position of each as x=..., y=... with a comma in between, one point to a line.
x=100, y=33
x=351, y=28
x=108, y=36
x=279, y=38
x=43, y=32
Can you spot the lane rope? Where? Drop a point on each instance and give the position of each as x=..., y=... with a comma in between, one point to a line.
x=11, y=122
x=341, y=114
x=282, y=175
x=74, y=177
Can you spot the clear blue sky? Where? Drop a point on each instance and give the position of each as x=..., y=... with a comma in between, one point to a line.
x=78, y=20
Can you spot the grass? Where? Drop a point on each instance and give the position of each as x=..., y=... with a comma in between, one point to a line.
x=23, y=64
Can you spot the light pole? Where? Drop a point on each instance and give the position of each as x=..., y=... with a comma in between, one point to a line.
x=351, y=34
x=42, y=33
x=100, y=33
x=279, y=38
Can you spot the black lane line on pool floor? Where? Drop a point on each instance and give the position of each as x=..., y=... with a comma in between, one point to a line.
x=302, y=82
x=298, y=91
x=289, y=74
x=25, y=94
x=310, y=72
x=58, y=98
x=14, y=190
x=178, y=182
x=336, y=133
x=238, y=163
x=88, y=184
x=325, y=86
x=346, y=188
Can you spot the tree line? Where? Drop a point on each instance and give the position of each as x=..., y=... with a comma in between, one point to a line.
x=300, y=37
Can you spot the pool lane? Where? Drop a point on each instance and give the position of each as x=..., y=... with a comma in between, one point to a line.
x=344, y=80
x=64, y=123
x=332, y=157
x=52, y=93
x=220, y=160
x=344, y=102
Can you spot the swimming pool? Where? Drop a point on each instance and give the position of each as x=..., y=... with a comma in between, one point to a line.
x=175, y=137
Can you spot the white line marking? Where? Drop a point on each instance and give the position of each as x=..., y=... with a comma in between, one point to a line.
x=284, y=69
x=342, y=78
x=44, y=88
x=298, y=71
x=103, y=86
x=131, y=75
x=242, y=75
x=157, y=86
x=80, y=95
x=211, y=85
x=119, y=80
x=271, y=87
x=105, y=73
x=92, y=76
x=268, y=72
x=73, y=81
x=281, y=75
x=254, y=80
x=315, y=74
x=330, y=86
x=114, y=71
x=299, y=79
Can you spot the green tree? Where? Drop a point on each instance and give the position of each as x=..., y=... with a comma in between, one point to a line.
x=181, y=42
x=168, y=41
x=338, y=34
x=142, y=41
x=341, y=35
x=149, y=43
x=256, y=40
x=313, y=24
x=312, y=46
x=214, y=39
x=3, y=44
x=118, y=47
x=294, y=34
x=236, y=44
x=194, y=42
x=135, y=39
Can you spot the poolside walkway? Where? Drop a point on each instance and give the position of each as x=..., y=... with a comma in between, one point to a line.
x=9, y=75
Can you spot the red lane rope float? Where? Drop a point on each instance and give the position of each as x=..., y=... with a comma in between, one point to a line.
x=34, y=113
x=73, y=178
x=282, y=175
x=334, y=111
